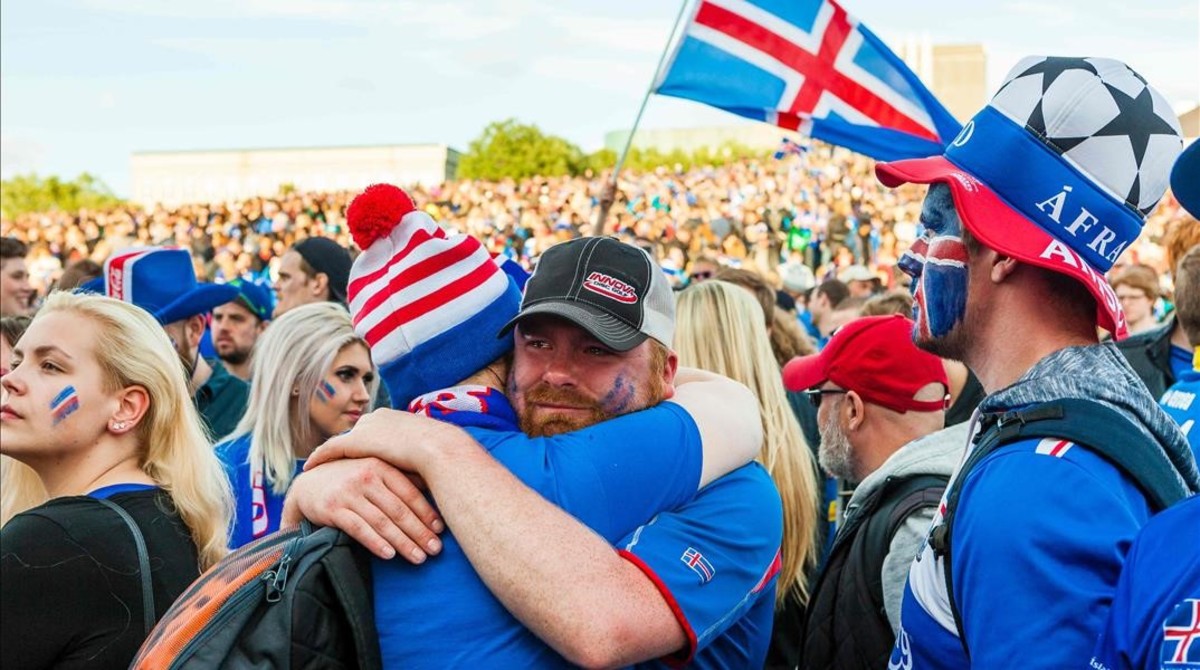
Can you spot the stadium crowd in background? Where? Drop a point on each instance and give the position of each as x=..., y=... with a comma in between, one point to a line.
x=824, y=209
x=806, y=259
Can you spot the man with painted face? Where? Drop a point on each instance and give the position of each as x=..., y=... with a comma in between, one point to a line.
x=1070, y=455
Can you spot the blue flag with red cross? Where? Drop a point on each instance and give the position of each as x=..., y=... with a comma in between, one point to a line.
x=806, y=65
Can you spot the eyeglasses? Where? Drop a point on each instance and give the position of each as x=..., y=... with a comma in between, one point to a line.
x=814, y=395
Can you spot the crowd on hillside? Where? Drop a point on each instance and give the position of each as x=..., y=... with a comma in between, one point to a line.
x=824, y=208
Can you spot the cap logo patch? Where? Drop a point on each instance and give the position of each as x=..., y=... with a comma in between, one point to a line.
x=610, y=287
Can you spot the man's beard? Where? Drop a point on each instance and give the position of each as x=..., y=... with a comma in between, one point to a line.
x=236, y=356
x=189, y=362
x=544, y=424
x=835, y=454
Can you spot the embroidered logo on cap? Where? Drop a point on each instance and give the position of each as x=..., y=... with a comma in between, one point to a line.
x=610, y=287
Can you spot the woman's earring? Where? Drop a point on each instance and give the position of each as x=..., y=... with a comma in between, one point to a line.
x=119, y=425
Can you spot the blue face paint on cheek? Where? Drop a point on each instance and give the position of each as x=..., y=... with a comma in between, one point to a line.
x=64, y=404
x=618, y=399
x=325, y=391
x=943, y=278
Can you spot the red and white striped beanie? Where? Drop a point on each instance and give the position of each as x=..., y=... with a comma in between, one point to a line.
x=428, y=302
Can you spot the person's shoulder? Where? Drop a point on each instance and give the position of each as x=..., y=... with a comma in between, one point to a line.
x=747, y=488
x=1055, y=472
x=235, y=450
x=1146, y=338
x=1177, y=521
x=58, y=518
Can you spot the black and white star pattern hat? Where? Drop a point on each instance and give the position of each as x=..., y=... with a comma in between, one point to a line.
x=1060, y=169
x=1100, y=116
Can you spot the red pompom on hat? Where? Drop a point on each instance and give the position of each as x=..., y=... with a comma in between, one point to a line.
x=376, y=211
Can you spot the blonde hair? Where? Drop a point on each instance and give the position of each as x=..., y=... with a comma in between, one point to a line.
x=293, y=354
x=20, y=488
x=744, y=354
x=132, y=349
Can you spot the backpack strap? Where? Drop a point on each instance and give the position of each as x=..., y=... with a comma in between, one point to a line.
x=900, y=499
x=143, y=562
x=1099, y=428
x=914, y=494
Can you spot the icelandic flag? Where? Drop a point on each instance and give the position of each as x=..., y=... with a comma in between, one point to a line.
x=806, y=65
x=699, y=564
x=787, y=147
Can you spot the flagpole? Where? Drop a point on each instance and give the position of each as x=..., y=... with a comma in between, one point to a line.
x=612, y=188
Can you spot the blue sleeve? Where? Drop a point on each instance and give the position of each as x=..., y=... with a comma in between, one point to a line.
x=1039, y=540
x=1114, y=647
x=1159, y=591
x=611, y=476
x=717, y=556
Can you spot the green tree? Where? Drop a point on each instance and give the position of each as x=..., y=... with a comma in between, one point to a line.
x=517, y=150
x=25, y=194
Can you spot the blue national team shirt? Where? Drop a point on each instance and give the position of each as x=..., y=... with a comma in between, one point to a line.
x=612, y=477
x=256, y=508
x=1155, y=617
x=1181, y=361
x=1182, y=404
x=719, y=579
x=1039, y=537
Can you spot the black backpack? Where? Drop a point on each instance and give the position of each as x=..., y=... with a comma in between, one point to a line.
x=1098, y=428
x=298, y=598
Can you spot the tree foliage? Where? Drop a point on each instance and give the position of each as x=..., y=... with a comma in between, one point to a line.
x=25, y=194
x=510, y=149
x=517, y=150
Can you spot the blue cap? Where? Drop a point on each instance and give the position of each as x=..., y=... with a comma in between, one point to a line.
x=254, y=296
x=1185, y=179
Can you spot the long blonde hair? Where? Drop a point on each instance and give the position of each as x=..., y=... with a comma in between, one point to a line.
x=290, y=359
x=132, y=349
x=706, y=337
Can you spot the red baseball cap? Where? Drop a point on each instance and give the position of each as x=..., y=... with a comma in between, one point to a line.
x=875, y=357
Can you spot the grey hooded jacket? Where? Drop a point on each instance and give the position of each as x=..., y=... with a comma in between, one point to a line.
x=935, y=454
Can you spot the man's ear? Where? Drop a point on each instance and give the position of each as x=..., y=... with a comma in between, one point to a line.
x=1003, y=267
x=854, y=410
x=669, y=371
x=132, y=404
x=193, y=330
x=319, y=285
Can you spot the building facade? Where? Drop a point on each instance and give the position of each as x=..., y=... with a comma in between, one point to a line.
x=172, y=178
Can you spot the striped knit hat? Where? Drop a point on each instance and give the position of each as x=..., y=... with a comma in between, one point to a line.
x=428, y=301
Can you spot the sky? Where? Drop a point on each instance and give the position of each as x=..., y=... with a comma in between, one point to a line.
x=85, y=83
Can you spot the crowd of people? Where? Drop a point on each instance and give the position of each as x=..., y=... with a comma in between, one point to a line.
x=823, y=208
x=815, y=413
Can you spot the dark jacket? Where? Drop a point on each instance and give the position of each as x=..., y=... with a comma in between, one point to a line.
x=1149, y=354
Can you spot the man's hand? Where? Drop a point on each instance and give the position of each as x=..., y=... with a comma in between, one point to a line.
x=404, y=440
x=378, y=505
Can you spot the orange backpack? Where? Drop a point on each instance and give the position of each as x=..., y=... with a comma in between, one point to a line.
x=299, y=598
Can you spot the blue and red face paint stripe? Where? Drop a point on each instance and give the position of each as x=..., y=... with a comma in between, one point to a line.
x=64, y=404
x=325, y=391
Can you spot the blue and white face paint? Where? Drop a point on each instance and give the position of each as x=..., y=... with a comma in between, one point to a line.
x=937, y=262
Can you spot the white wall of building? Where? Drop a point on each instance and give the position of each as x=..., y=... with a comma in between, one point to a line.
x=177, y=177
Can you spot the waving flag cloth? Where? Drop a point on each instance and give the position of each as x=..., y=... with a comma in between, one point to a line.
x=807, y=65
x=788, y=148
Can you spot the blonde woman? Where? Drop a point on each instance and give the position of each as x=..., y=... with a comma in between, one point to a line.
x=313, y=379
x=95, y=413
x=706, y=338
